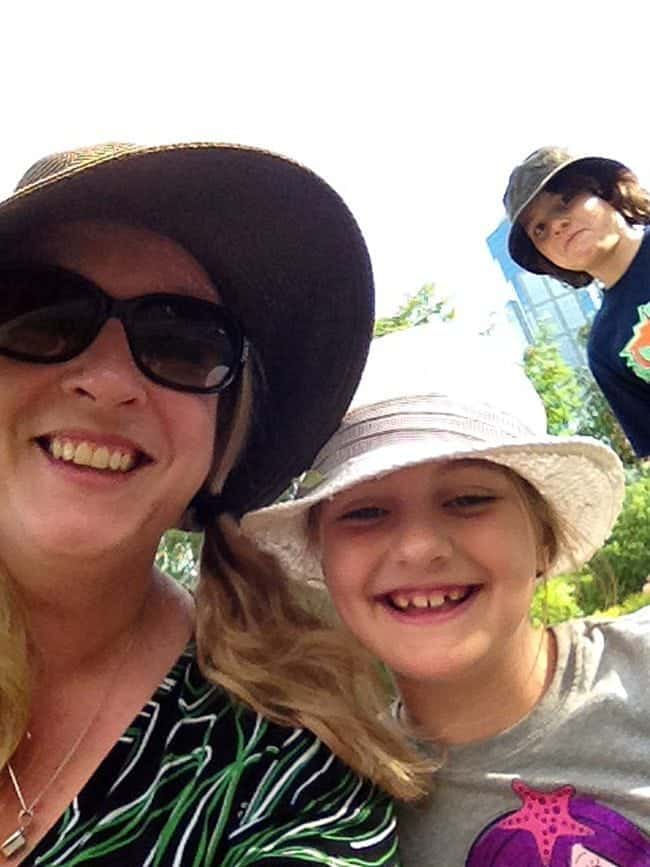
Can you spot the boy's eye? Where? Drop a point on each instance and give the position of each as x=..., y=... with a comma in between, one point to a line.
x=538, y=230
x=469, y=501
x=365, y=513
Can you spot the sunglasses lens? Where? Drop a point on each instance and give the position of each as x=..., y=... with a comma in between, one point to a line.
x=186, y=343
x=45, y=315
x=50, y=315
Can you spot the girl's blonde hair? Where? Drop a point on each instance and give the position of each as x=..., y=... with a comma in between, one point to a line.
x=276, y=650
x=274, y=646
x=553, y=534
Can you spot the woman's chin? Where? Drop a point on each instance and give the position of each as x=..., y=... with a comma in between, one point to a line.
x=86, y=535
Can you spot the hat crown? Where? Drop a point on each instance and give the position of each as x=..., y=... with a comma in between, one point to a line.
x=527, y=179
x=443, y=359
x=53, y=165
x=435, y=393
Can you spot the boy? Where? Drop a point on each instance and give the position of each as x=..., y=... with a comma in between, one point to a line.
x=580, y=219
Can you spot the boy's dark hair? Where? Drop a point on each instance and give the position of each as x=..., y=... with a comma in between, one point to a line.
x=620, y=188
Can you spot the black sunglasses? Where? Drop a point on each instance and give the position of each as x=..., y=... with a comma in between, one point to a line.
x=49, y=315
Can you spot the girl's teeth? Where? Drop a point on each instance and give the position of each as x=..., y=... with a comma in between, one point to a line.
x=84, y=454
x=434, y=599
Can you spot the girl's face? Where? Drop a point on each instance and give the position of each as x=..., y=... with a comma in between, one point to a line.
x=574, y=232
x=141, y=450
x=432, y=567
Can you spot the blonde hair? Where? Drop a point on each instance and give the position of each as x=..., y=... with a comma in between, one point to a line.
x=15, y=678
x=552, y=533
x=279, y=655
x=274, y=647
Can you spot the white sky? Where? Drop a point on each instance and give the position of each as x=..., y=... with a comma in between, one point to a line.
x=414, y=111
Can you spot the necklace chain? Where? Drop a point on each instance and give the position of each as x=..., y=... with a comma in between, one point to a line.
x=18, y=839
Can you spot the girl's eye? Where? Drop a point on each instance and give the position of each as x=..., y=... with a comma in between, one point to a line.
x=467, y=502
x=538, y=230
x=365, y=513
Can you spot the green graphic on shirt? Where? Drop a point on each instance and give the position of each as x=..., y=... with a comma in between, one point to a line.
x=637, y=351
x=200, y=781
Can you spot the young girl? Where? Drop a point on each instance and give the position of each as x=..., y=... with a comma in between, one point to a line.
x=431, y=515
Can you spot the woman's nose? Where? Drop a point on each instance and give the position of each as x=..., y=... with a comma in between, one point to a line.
x=106, y=372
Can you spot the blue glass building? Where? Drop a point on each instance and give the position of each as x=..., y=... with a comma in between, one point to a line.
x=544, y=303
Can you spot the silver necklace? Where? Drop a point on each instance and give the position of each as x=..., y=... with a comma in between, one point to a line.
x=17, y=840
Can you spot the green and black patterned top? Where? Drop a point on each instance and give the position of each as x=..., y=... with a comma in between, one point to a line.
x=199, y=780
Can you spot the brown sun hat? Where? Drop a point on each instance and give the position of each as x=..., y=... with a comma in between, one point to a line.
x=529, y=179
x=281, y=247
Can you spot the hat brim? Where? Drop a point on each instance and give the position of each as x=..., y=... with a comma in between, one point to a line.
x=285, y=254
x=521, y=248
x=578, y=476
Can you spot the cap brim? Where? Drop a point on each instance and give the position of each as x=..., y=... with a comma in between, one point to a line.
x=520, y=247
x=284, y=252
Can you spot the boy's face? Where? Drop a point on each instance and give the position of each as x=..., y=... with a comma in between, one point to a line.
x=575, y=232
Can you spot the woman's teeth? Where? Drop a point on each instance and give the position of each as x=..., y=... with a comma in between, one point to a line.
x=86, y=454
x=427, y=599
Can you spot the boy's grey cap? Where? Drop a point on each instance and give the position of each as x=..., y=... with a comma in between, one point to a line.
x=529, y=178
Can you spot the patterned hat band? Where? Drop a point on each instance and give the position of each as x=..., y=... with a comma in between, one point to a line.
x=409, y=420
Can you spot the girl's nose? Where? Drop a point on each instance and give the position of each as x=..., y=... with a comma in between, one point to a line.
x=421, y=543
x=106, y=372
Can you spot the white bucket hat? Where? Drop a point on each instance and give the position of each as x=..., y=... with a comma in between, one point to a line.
x=432, y=393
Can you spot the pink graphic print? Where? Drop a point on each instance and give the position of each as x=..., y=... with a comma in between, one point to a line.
x=546, y=817
x=559, y=829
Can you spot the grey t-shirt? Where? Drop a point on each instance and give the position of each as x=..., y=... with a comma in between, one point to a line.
x=569, y=784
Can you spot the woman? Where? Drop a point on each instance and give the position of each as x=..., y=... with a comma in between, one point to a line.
x=171, y=324
x=430, y=515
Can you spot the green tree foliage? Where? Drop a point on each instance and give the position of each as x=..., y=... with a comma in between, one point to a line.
x=625, y=559
x=574, y=402
x=556, y=383
x=596, y=419
x=555, y=601
x=631, y=604
x=417, y=309
x=178, y=555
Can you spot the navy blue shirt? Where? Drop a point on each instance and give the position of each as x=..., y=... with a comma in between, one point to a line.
x=619, y=349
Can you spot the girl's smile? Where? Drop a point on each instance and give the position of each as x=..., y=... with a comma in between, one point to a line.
x=433, y=567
